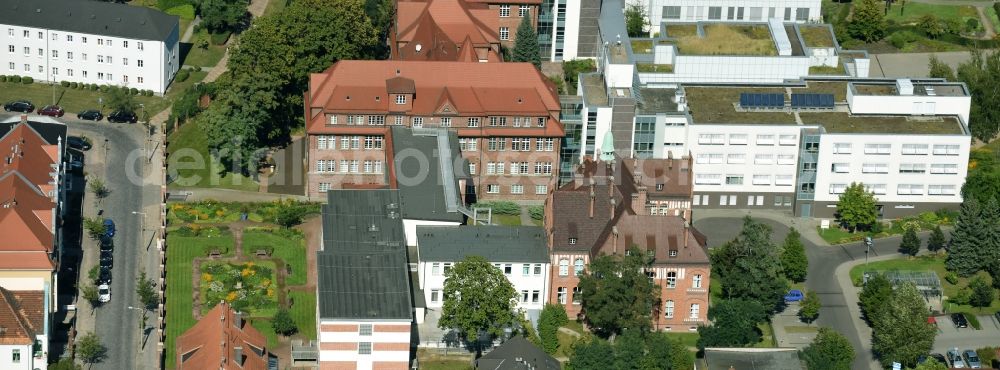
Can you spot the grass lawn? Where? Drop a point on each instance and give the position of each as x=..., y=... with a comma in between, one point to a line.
x=206, y=171
x=434, y=361
x=264, y=327
x=836, y=235
x=767, y=337
x=292, y=251
x=275, y=6
x=827, y=71
x=816, y=36
x=913, y=11
x=642, y=46
x=681, y=30
x=178, y=87
x=654, y=68
x=507, y=220
x=303, y=311
x=929, y=263
x=72, y=100
x=566, y=340
x=725, y=39
x=689, y=339
x=180, y=252
x=208, y=57
x=799, y=329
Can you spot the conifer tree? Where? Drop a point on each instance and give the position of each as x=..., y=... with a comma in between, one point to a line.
x=966, y=239
x=526, y=44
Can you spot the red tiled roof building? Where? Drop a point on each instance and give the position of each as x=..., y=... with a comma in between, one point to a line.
x=223, y=340
x=457, y=30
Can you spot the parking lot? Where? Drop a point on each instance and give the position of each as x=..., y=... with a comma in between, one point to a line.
x=966, y=338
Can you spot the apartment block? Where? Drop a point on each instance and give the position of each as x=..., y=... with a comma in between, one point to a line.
x=504, y=114
x=89, y=42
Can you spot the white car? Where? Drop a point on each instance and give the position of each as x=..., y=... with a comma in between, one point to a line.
x=104, y=293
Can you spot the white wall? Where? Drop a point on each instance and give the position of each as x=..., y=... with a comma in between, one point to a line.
x=730, y=69
x=532, y=282
x=26, y=362
x=748, y=168
x=908, y=104
x=364, y=361
x=15, y=283
x=697, y=10
x=410, y=228
x=56, y=66
x=571, y=32
x=823, y=57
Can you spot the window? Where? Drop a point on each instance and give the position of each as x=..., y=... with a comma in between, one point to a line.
x=85, y=76
x=27, y=50
x=536, y=295
x=695, y=310
x=841, y=168
x=365, y=330
x=84, y=56
x=737, y=139
x=538, y=269
x=474, y=122
x=945, y=149
x=762, y=179
x=668, y=310
x=100, y=41
x=578, y=266
x=520, y=144
x=909, y=189
x=787, y=140
x=937, y=168
x=494, y=144
x=875, y=168
x=672, y=279
x=523, y=11
x=561, y=295
x=525, y=269
x=708, y=179
x=734, y=180
x=10, y=32
x=541, y=122
x=100, y=59
x=138, y=44
x=912, y=168
x=517, y=189
x=563, y=267
x=672, y=12
x=417, y=122
x=373, y=142
x=436, y=269
x=543, y=168
x=541, y=189
x=696, y=281
x=498, y=121
x=107, y=42
x=368, y=166
x=139, y=63
x=40, y=35
x=41, y=52
x=125, y=78
x=788, y=14
x=802, y=14
x=69, y=55
x=878, y=189
x=711, y=139
x=435, y=295
x=524, y=296
x=577, y=297
x=877, y=148
x=763, y=159
x=505, y=10
x=467, y=144
x=841, y=148
x=708, y=159
x=125, y=61
x=400, y=99
x=354, y=166
x=714, y=13
x=544, y=145
x=786, y=159
x=26, y=34
x=344, y=165
x=15, y=356
x=915, y=149
x=376, y=120
x=445, y=121
x=756, y=14
x=765, y=139
x=364, y=348
x=785, y=180
x=447, y=267
x=572, y=241
x=504, y=33
x=399, y=121
x=941, y=189
x=84, y=39
x=493, y=189
x=69, y=38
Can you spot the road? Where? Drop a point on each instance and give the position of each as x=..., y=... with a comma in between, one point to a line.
x=116, y=325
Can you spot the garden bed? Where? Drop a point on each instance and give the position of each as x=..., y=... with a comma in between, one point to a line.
x=286, y=244
x=249, y=287
x=925, y=221
x=654, y=68
x=210, y=211
x=816, y=36
x=933, y=263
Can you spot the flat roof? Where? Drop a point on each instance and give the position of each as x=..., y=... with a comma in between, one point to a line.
x=818, y=36
x=919, y=89
x=425, y=187
x=657, y=101
x=594, y=90
x=712, y=104
x=525, y=244
x=729, y=39
x=90, y=17
x=845, y=123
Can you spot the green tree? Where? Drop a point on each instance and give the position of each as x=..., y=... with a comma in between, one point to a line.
x=982, y=292
x=90, y=349
x=931, y=26
x=90, y=294
x=223, y=15
x=828, y=351
x=937, y=240
x=809, y=310
x=95, y=227
x=734, y=324
x=593, y=353
x=630, y=350
x=749, y=267
x=868, y=21
x=94, y=273
x=552, y=317
x=981, y=183
x=902, y=333
x=478, y=299
x=289, y=216
x=931, y=364
x=65, y=364
x=635, y=20
x=856, y=207
x=874, y=297
x=146, y=290
x=911, y=243
x=617, y=295
x=98, y=188
x=793, y=257
x=966, y=238
x=283, y=324
x=120, y=99
x=980, y=73
x=939, y=69
x=526, y=44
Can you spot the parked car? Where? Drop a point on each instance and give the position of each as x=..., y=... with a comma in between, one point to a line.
x=956, y=359
x=104, y=293
x=105, y=276
x=107, y=244
x=90, y=115
x=109, y=228
x=940, y=358
x=794, y=295
x=997, y=314
x=107, y=259
x=78, y=143
x=22, y=106
x=120, y=116
x=972, y=359
x=959, y=320
x=52, y=110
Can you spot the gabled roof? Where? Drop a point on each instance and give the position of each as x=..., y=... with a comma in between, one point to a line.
x=49, y=129
x=20, y=316
x=90, y=17
x=25, y=215
x=438, y=29
x=22, y=149
x=526, y=244
x=222, y=339
x=517, y=353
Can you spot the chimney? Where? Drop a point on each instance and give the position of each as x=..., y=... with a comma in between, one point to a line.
x=238, y=355
x=611, y=186
x=593, y=197
x=639, y=202
x=614, y=240
x=238, y=320
x=613, y=203
x=686, y=232
x=24, y=118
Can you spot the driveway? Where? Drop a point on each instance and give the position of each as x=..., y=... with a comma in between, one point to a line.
x=966, y=338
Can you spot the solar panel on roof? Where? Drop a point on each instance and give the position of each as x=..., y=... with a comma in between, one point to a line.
x=744, y=99
x=812, y=100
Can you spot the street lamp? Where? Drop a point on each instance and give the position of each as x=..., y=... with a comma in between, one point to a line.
x=142, y=324
x=868, y=248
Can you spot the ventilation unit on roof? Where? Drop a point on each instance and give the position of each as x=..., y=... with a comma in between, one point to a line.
x=904, y=86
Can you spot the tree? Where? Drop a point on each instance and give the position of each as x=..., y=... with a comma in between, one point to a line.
x=146, y=290
x=630, y=350
x=593, y=353
x=867, y=22
x=635, y=20
x=95, y=227
x=734, y=324
x=963, y=254
x=931, y=364
x=982, y=292
x=809, y=310
x=749, y=267
x=220, y=16
x=911, y=243
x=64, y=364
x=930, y=24
x=289, y=216
x=856, y=207
x=793, y=257
x=617, y=295
x=902, y=333
x=90, y=349
x=94, y=273
x=90, y=294
x=478, y=300
x=874, y=297
x=120, y=99
x=283, y=324
x=980, y=73
x=526, y=44
x=939, y=69
x=936, y=241
x=98, y=188
x=828, y=351
x=552, y=317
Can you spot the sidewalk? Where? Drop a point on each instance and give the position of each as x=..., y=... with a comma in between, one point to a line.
x=86, y=314
x=227, y=195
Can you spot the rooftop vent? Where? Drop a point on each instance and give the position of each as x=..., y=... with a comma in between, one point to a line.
x=418, y=47
x=348, y=98
x=39, y=10
x=904, y=86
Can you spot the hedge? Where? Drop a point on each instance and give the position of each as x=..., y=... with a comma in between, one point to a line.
x=27, y=80
x=501, y=207
x=16, y=79
x=182, y=75
x=64, y=83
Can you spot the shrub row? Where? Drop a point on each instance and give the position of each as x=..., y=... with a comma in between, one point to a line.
x=501, y=207
x=17, y=79
x=77, y=85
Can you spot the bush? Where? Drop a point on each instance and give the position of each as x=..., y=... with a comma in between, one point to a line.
x=951, y=278
x=537, y=212
x=974, y=322
x=14, y=79
x=3, y=78
x=133, y=91
x=902, y=38
x=182, y=75
x=104, y=88
x=184, y=11
x=64, y=83
x=219, y=38
x=27, y=80
x=93, y=87
x=208, y=249
x=283, y=324
x=501, y=207
x=971, y=25
x=149, y=92
x=73, y=85
x=197, y=68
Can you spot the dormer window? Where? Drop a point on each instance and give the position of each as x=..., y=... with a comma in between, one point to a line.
x=400, y=99
x=572, y=241
x=673, y=253
x=333, y=119
x=659, y=187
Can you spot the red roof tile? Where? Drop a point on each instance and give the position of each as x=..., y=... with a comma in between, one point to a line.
x=20, y=320
x=445, y=30
x=212, y=343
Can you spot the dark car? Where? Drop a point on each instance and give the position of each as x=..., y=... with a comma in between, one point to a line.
x=107, y=244
x=105, y=276
x=109, y=228
x=22, y=106
x=52, y=110
x=120, y=116
x=959, y=320
x=78, y=143
x=107, y=259
x=90, y=115
x=933, y=356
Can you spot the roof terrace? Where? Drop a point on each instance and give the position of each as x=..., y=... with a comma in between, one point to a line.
x=719, y=105
x=845, y=123
x=724, y=39
x=919, y=89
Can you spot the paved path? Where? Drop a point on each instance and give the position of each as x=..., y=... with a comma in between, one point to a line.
x=227, y=195
x=986, y=23
x=189, y=32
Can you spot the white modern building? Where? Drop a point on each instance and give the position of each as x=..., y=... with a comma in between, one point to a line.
x=92, y=42
x=669, y=11
x=519, y=252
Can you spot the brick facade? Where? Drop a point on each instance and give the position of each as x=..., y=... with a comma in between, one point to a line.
x=513, y=20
